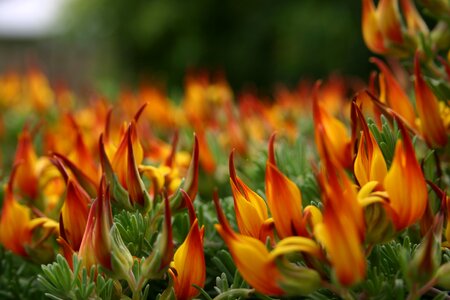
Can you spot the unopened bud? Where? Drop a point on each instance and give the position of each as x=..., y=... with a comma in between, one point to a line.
x=121, y=258
x=299, y=281
x=379, y=226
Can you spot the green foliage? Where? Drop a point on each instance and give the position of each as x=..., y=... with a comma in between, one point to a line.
x=387, y=270
x=386, y=138
x=294, y=160
x=18, y=278
x=60, y=282
x=135, y=231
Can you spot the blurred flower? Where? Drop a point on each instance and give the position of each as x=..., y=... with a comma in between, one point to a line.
x=342, y=230
x=17, y=226
x=431, y=122
x=26, y=161
x=382, y=27
x=330, y=133
x=393, y=94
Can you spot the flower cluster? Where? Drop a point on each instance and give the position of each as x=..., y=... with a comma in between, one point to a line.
x=115, y=193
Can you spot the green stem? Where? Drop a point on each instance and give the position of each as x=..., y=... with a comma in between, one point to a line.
x=428, y=286
x=235, y=293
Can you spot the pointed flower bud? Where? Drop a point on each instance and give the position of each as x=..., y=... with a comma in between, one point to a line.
x=414, y=21
x=121, y=258
x=369, y=163
x=371, y=30
x=95, y=247
x=389, y=20
x=330, y=134
x=396, y=97
x=427, y=257
x=250, y=208
x=343, y=228
x=26, y=177
x=284, y=199
x=155, y=265
x=189, y=264
x=405, y=184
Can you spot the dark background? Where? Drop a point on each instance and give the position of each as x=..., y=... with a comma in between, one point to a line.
x=110, y=44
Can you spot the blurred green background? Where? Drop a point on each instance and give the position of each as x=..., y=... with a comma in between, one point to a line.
x=105, y=45
x=256, y=43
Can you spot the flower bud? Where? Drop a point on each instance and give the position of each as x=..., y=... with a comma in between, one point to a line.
x=298, y=281
x=121, y=258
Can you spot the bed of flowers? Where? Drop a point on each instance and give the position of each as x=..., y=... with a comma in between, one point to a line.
x=334, y=189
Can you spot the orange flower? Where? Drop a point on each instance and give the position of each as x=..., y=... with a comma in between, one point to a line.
x=189, y=264
x=26, y=160
x=82, y=157
x=414, y=21
x=395, y=96
x=331, y=134
x=342, y=230
x=369, y=163
x=75, y=209
x=405, y=185
x=284, y=199
x=95, y=247
x=431, y=123
x=120, y=157
x=381, y=26
x=372, y=34
x=16, y=225
x=389, y=20
x=260, y=268
x=125, y=165
x=250, y=208
x=251, y=257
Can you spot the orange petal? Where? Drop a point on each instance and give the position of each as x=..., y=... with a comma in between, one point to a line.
x=251, y=257
x=405, y=185
x=389, y=20
x=343, y=228
x=14, y=230
x=397, y=98
x=432, y=126
x=95, y=247
x=189, y=262
x=340, y=238
x=370, y=28
x=284, y=199
x=369, y=163
x=414, y=21
x=74, y=213
x=251, y=210
x=331, y=134
x=26, y=178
